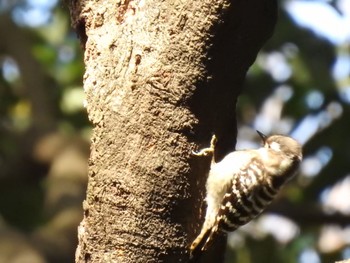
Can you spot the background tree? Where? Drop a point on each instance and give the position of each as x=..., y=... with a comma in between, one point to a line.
x=43, y=166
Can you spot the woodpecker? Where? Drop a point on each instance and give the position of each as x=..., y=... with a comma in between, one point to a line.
x=243, y=183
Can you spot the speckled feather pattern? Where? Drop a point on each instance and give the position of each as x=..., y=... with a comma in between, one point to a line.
x=241, y=185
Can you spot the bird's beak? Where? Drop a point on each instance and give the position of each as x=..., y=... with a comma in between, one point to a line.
x=263, y=136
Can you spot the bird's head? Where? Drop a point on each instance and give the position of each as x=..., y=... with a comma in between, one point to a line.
x=282, y=144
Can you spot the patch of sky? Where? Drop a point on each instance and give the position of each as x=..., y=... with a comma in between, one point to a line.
x=10, y=69
x=34, y=13
x=341, y=67
x=309, y=255
x=322, y=18
x=314, y=99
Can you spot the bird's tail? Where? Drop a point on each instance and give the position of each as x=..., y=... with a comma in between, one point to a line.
x=202, y=242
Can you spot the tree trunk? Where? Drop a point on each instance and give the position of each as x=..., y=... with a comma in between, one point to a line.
x=161, y=76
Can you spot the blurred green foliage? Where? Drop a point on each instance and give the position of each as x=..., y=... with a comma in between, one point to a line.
x=44, y=136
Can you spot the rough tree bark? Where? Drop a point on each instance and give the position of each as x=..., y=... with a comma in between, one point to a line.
x=161, y=76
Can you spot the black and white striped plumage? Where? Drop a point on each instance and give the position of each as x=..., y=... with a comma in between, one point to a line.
x=241, y=185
